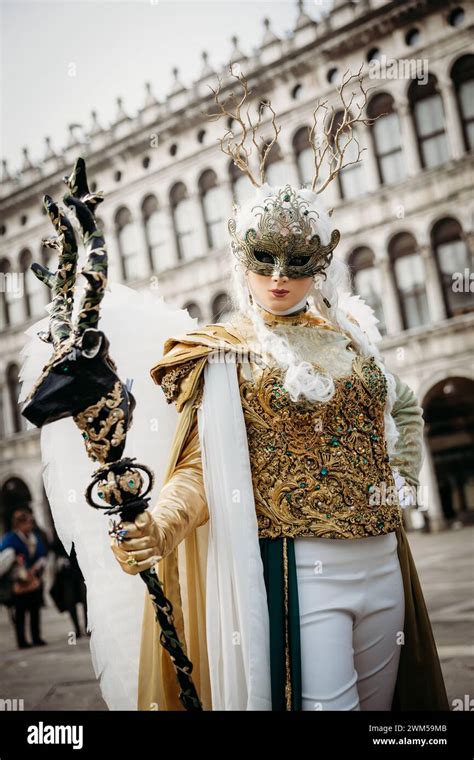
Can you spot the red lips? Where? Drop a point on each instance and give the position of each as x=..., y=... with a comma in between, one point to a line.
x=279, y=292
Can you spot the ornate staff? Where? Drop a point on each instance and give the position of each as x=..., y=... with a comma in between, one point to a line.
x=80, y=381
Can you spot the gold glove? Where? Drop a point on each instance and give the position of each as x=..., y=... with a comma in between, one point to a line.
x=182, y=504
x=141, y=545
x=181, y=508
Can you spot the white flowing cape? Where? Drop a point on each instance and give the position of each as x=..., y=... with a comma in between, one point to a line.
x=237, y=622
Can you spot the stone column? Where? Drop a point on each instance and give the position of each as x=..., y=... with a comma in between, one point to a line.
x=169, y=253
x=428, y=496
x=409, y=138
x=434, y=290
x=174, y=235
x=200, y=235
x=393, y=317
x=113, y=251
x=453, y=125
x=289, y=159
x=141, y=224
x=469, y=238
x=369, y=160
x=142, y=252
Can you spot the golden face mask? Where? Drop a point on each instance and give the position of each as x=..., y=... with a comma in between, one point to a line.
x=285, y=240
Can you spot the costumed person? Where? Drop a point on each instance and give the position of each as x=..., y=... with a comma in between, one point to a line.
x=27, y=576
x=283, y=467
x=295, y=448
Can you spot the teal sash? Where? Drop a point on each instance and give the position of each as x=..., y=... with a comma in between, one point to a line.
x=279, y=567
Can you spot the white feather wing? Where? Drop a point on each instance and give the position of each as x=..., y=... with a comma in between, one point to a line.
x=355, y=306
x=137, y=325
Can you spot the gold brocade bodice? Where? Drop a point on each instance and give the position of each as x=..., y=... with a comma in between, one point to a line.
x=320, y=468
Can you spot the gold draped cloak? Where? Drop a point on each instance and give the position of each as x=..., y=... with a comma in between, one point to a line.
x=182, y=513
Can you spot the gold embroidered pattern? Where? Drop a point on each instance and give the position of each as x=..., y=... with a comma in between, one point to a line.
x=106, y=413
x=171, y=380
x=199, y=394
x=321, y=469
x=112, y=486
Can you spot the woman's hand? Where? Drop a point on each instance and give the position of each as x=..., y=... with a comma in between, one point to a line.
x=141, y=546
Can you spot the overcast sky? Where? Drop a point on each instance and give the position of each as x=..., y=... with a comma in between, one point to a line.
x=63, y=59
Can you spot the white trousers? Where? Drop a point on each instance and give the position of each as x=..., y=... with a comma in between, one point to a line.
x=352, y=612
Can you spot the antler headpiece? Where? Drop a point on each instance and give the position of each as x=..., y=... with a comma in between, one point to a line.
x=285, y=231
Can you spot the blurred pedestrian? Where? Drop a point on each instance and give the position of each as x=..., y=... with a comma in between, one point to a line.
x=26, y=576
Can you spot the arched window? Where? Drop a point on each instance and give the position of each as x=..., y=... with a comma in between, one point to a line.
x=133, y=262
x=213, y=209
x=49, y=259
x=351, y=179
x=14, y=288
x=114, y=261
x=386, y=139
x=276, y=172
x=463, y=77
x=297, y=92
x=413, y=37
x=13, y=382
x=241, y=185
x=455, y=264
x=221, y=307
x=34, y=288
x=448, y=411
x=185, y=222
x=193, y=310
x=456, y=17
x=157, y=232
x=427, y=108
x=410, y=277
x=367, y=283
x=304, y=156
x=114, y=267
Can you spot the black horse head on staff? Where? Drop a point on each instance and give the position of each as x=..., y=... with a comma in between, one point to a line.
x=80, y=380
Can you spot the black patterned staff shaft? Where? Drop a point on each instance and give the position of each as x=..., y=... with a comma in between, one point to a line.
x=80, y=380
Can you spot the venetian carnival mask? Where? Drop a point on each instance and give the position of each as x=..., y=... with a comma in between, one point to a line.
x=284, y=239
